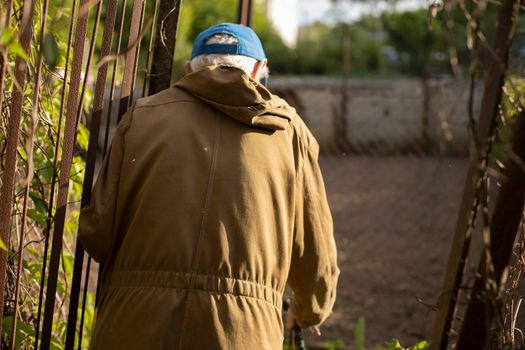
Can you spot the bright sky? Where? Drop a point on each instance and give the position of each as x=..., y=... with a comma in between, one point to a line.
x=287, y=15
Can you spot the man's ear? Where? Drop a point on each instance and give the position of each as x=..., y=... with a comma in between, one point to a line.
x=187, y=67
x=257, y=69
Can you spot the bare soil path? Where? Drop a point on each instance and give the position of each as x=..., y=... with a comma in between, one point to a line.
x=394, y=219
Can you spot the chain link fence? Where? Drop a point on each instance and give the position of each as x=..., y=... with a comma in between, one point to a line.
x=394, y=187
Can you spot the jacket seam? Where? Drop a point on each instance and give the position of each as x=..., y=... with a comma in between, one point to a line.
x=166, y=103
x=203, y=274
x=204, y=219
x=211, y=291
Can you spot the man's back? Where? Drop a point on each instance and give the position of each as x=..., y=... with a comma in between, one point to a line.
x=206, y=202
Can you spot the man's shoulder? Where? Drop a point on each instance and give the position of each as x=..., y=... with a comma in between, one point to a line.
x=168, y=96
x=303, y=133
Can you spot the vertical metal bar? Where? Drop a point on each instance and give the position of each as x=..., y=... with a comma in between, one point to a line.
x=79, y=251
x=125, y=89
x=244, y=12
x=89, y=58
x=504, y=227
x=84, y=299
x=3, y=52
x=494, y=79
x=164, y=46
x=340, y=118
x=149, y=56
x=137, y=54
x=29, y=175
x=67, y=156
x=55, y=175
x=8, y=179
x=98, y=104
x=108, y=118
x=19, y=268
x=114, y=78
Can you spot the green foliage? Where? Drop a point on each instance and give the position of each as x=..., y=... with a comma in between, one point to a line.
x=201, y=14
x=25, y=334
x=395, y=345
x=51, y=51
x=44, y=146
x=333, y=344
x=512, y=100
x=414, y=38
x=9, y=40
x=359, y=334
x=3, y=246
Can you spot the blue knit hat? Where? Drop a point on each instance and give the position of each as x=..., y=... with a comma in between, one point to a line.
x=248, y=42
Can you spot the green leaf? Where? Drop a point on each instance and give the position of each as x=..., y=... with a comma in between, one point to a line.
x=83, y=137
x=394, y=345
x=22, y=152
x=37, y=216
x=333, y=344
x=23, y=331
x=359, y=333
x=50, y=50
x=422, y=345
x=39, y=202
x=3, y=246
x=8, y=39
x=67, y=264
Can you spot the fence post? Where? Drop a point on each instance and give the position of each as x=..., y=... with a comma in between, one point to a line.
x=494, y=80
x=8, y=175
x=98, y=104
x=244, y=12
x=63, y=188
x=508, y=211
x=164, y=45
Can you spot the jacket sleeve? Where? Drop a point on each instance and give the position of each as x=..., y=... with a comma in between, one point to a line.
x=313, y=271
x=97, y=219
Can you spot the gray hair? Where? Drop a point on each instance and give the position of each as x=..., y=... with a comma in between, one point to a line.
x=245, y=63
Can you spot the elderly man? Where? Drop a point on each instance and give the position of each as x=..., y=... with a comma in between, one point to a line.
x=210, y=201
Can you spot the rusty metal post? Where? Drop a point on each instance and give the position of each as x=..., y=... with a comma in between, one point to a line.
x=3, y=51
x=8, y=175
x=129, y=64
x=30, y=169
x=494, y=80
x=79, y=251
x=98, y=105
x=63, y=188
x=508, y=211
x=244, y=12
x=164, y=45
x=54, y=177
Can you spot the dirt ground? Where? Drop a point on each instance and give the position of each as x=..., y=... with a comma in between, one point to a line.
x=394, y=219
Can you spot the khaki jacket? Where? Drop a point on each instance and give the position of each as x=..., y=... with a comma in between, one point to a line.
x=209, y=201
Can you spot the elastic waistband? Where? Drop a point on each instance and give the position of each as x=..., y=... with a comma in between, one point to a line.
x=201, y=282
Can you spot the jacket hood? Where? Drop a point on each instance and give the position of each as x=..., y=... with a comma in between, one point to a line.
x=232, y=92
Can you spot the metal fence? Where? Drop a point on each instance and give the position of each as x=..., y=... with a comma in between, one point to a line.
x=96, y=36
x=396, y=155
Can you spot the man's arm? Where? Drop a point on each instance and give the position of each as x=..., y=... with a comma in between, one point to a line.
x=314, y=271
x=97, y=219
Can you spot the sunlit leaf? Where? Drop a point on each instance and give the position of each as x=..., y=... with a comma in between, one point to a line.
x=8, y=39
x=83, y=137
x=422, y=345
x=3, y=246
